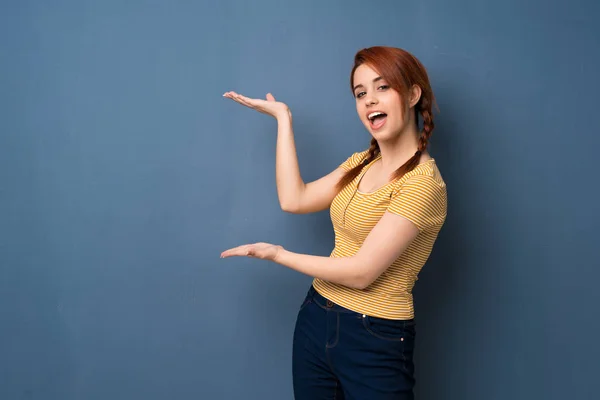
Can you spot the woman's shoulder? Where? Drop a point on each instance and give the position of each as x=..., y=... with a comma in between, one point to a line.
x=427, y=175
x=354, y=159
x=420, y=195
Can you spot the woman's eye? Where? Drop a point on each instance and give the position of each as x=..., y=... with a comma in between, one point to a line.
x=360, y=94
x=383, y=87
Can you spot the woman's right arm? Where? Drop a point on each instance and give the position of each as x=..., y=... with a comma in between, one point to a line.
x=295, y=196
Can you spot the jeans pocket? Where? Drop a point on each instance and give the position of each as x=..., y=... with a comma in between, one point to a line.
x=389, y=329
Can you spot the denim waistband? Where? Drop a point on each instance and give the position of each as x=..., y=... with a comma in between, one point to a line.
x=325, y=303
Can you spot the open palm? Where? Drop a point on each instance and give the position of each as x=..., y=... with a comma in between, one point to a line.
x=264, y=251
x=269, y=106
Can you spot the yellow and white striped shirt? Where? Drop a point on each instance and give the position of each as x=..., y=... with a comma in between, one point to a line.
x=420, y=195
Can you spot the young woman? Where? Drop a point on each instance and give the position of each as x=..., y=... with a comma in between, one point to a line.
x=355, y=331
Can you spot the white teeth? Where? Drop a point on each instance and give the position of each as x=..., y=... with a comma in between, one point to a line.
x=374, y=114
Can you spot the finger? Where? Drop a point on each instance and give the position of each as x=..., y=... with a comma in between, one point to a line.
x=236, y=251
x=233, y=95
x=270, y=97
x=246, y=101
x=233, y=253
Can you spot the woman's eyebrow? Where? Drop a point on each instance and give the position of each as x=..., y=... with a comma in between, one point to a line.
x=361, y=85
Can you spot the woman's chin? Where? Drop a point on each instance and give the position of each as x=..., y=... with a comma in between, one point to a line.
x=382, y=135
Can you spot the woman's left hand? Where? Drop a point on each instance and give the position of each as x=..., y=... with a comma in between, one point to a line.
x=264, y=251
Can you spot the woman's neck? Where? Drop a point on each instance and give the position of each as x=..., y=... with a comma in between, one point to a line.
x=395, y=153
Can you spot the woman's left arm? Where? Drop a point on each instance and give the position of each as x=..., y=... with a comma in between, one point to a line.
x=384, y=244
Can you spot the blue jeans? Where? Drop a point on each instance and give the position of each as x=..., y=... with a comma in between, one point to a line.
x=341, y=354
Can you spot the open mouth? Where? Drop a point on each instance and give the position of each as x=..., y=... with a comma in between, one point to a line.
x=377, y=119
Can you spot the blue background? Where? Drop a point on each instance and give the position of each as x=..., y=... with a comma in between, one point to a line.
x=124, y=174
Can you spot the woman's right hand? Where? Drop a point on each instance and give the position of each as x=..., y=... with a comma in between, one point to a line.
x=269, y=106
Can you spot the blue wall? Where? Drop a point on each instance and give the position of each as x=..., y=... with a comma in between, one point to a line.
x=124, y=174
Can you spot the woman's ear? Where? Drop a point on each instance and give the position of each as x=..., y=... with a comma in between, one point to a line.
x=414, y=95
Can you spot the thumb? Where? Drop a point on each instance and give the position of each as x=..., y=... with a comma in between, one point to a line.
x=270, y=97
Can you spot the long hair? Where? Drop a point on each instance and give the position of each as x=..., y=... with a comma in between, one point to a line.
x=401, y=70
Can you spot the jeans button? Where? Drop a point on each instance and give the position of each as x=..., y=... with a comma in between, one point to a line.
x=329, y=303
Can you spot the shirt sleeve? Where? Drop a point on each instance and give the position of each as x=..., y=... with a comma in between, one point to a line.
x=354, y=160
x=421, y=200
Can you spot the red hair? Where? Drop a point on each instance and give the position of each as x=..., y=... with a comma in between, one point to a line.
x=401, y=70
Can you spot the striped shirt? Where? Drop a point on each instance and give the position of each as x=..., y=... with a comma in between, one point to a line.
x=420, y=196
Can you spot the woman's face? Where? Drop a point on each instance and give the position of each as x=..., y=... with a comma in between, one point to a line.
x=380, y=108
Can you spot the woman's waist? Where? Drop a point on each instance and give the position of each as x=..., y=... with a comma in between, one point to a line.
x=374, y=301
